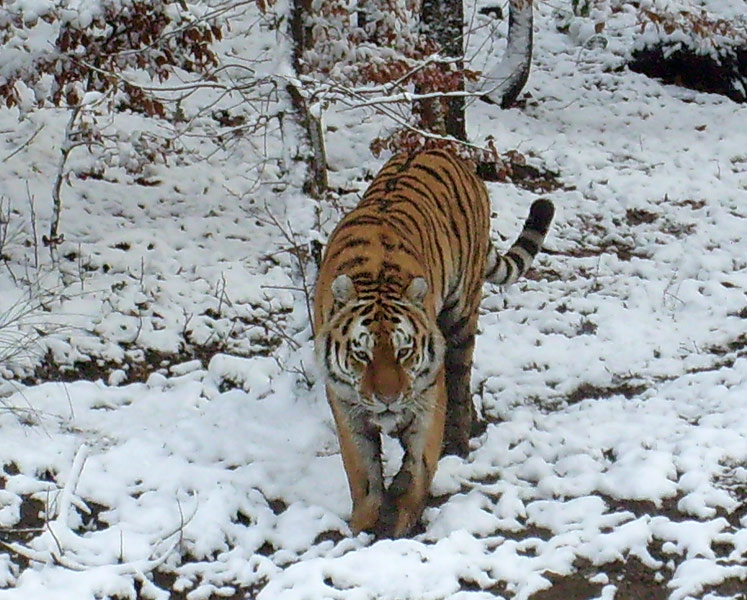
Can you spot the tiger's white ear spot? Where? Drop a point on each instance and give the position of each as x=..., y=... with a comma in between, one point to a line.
x=343, y=290
x=417, y=289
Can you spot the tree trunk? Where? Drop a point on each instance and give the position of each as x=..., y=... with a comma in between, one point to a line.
x=443, y=23
x=316, y=182
x=503, y=83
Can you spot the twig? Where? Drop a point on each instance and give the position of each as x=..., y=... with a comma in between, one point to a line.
x=67, y=147
x=289, y=288
x=69, y=401
x=304, y=282
x=290, y=237
x=32, y=210
x=409, y=98
x=383, y=109
x=66, y=497
x=277, y=330
x=27, y=553
x=26, y=143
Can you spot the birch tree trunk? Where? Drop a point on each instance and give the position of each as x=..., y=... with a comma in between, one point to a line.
x=503, y=83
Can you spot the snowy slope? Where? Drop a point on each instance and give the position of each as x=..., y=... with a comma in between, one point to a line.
x=613, y=379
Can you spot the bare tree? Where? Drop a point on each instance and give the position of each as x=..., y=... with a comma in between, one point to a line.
x=84, y=62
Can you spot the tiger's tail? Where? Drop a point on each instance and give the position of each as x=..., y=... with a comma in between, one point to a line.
x=506, y=269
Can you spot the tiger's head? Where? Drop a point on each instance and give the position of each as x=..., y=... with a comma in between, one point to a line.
x=380, y=353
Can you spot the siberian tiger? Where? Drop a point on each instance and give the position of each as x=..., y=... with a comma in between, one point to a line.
x=395, y=314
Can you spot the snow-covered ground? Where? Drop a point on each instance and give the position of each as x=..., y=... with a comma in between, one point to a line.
x=613, y=380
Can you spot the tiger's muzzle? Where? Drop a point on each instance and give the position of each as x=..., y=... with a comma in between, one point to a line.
x=384, y=381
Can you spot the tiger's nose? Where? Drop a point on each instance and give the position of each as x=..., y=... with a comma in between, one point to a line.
x=384, y=379
x=387, y=399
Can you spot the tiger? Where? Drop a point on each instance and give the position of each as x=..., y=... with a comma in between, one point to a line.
x=395, y=317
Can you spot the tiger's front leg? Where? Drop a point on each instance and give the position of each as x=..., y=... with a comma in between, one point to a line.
x=459, y=333
x=360, y=446
x=422, y=439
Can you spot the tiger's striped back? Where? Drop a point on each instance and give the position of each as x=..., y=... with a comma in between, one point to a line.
x=395, y=314
x=424, y=215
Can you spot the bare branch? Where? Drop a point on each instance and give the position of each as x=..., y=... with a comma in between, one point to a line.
x=25, y=144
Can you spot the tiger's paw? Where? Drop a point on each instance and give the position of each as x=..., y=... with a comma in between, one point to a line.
x=366, y=514
x=396, y=522
x=401, y=510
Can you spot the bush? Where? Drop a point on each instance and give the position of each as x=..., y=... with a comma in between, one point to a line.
x=693, y=50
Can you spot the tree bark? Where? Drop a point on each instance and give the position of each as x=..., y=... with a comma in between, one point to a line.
x=316, y=182
x=503, y=83
x=443, y=23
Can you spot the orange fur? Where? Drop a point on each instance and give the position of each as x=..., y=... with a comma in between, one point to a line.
x=395, y=313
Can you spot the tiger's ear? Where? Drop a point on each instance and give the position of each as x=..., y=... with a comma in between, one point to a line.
x=343, y=290
x=416, y=290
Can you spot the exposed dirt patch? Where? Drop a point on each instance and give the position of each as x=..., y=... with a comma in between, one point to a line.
x=166, y=580
x=729, y=352
x=688, y=202
x=667, y=508
x=730, y=587
x=587, y=391
x=33, y=518
x=624, y=252
x=574, y=586
x=265, y=332
x=30, y=524
x=633, y=578
x=515, y=170
x=535, y=180
x=639, y=217
x=135, y=370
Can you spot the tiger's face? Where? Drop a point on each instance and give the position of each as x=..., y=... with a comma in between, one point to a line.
x=380, y=355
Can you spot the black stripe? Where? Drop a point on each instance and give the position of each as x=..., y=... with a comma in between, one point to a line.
x=387, y=242
x=362, y=277
x=335, y=378
x=468, y=211
x=467, y=342
x=448, y=307
x=454, y=327
x=343, y=245
x=522, y=266
x=430, y=349
x=338, y=356
x=351, y=263
x=461, y=195
x=345, y=327
x=410, y=251
x=388, y=265
x=437, y=176
x=499, y=261
x=361, y=220
x=408, y=158
x=458, y=370
x=407, y=223
x=528, y=244
x=433, y=173
x=409, y=181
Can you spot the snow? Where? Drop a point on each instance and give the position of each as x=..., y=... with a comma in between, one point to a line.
x=613, y=380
